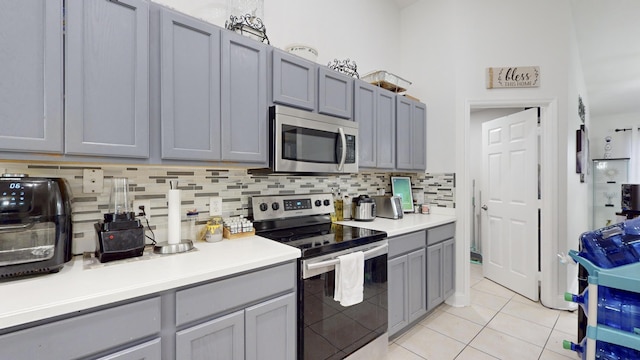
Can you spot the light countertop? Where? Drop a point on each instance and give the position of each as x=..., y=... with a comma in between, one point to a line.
x=409, y=223
x=78, y=287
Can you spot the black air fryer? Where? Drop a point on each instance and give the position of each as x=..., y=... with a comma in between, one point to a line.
x=35, y=225
x=120, y=235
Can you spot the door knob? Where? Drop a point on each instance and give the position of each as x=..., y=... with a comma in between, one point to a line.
x=484, y=207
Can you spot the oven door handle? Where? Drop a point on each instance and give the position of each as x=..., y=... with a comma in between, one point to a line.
x=371, y=253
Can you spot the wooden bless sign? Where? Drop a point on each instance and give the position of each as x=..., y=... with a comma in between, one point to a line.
x=513, y=77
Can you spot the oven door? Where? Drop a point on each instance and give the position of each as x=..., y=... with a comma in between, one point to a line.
x=313, y=143
x=325, y=328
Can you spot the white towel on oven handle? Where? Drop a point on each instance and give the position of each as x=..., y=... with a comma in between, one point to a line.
x=349, y=284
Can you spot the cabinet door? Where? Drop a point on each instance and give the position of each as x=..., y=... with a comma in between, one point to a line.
x=448, y=268
x=364, y=113
x=219, y=339
x=147, y=351
x=244, y=99
x=419, y=133
x=404, y=138
x=417, y=292
x=31, y=75
x=107, y=78
x=294, y=81
x=386, y=129
x=335, y=93
x=398, y=288
x=434, y=276
x=271, y=329
x=190, y=87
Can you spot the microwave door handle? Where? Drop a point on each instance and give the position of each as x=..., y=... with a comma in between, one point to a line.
x=343, y=156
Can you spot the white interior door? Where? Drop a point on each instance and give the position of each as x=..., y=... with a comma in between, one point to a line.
x=509, y=216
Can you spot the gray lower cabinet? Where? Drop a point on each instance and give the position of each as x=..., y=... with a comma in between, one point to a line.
x=107, y=78
x=263, y=331
x=151, y=350
x=271, y=329
x=251, y=316
x=113, y=333
x=218, y=339
x=31, y=76
x=293, y=80
x=407, y=283
x=440, y=264
x=335, y=93
x=189, y=85
x=411, y=132
x=375, y=111
x=243, y=99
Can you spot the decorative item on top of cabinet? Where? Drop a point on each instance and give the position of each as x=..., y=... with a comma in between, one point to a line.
x=347, y=67
x=249, y=26
x=387, y=80
x=245, y=18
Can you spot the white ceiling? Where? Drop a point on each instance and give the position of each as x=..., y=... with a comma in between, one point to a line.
x=608, y=35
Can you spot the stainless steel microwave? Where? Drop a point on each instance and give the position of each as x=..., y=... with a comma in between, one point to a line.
x=306, y=142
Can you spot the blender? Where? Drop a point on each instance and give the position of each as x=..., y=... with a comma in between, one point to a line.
x=120, y=234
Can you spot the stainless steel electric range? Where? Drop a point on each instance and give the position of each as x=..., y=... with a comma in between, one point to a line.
x=327, y=330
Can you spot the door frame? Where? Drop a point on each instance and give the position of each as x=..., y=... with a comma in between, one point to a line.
x=548, y=187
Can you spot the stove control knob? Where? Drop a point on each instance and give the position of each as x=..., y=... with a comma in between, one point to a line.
x=318, y=202
x=275, y=206
x=327, y=202
x=264, y=206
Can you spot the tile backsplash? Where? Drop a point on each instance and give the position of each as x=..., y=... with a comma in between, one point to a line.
x=198, y=184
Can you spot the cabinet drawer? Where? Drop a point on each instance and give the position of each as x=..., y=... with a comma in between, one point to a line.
x=440, y=233
x=406, y=243
x=76, y=337
x=209, y=299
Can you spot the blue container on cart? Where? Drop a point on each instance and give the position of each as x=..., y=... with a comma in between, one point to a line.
x=612, y=246
x=617, y=308
x=604, y=351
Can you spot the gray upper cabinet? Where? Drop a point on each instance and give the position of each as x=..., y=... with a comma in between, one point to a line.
x=294, y=81
x=411, y=122
x=374, y=109
x=31, y=75
x=189, y=87
x=244, y=99
x=386, y=125
x=107, y=78
x=364, y=113
x=335, y=93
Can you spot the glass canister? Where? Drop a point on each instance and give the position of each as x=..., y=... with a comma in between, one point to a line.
x=214, y=230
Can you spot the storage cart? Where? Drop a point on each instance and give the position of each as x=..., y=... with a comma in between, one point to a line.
x=625, y=277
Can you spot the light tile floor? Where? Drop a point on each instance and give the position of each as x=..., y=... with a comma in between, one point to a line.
x=499, y=324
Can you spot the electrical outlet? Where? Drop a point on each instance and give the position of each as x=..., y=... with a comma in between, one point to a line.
x=147, y=208
x=215, y=206
x=92, y=181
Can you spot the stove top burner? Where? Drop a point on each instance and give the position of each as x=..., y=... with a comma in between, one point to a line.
x=320, y=239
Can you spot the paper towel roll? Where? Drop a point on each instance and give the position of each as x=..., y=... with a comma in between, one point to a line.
x=173, y=224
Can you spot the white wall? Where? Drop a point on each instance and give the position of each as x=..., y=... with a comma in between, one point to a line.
x=447, y=46
x=429, y=56
x=365, y=31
